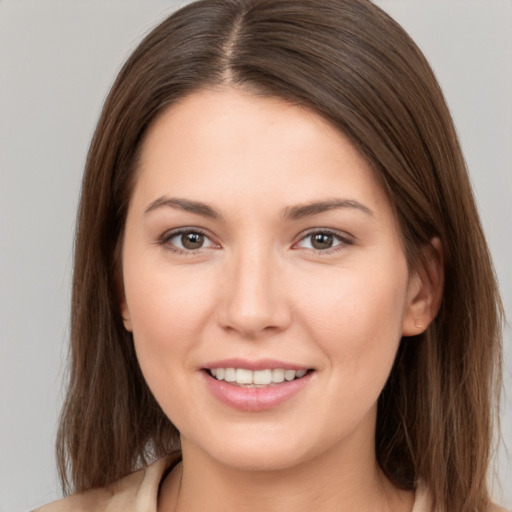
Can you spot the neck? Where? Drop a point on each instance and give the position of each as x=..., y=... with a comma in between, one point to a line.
x=332, y=481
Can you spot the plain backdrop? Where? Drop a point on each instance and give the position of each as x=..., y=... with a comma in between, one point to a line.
x=57, y=61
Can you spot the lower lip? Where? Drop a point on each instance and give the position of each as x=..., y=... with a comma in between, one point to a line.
x=255, y=399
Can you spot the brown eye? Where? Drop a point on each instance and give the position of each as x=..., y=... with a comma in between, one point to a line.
x=321, y=241
x=187, y=241
x=192, y=240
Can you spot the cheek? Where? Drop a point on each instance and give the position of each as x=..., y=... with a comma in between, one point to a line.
x=357, y=325
x=168, y=311
x=356, y=317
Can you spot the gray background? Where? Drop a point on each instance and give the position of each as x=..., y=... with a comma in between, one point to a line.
x=57, y=61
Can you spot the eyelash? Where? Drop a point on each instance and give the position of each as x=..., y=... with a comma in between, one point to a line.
x=168, y=236
x=343, y=239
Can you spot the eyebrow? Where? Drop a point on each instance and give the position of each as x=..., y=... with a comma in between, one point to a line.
x=187, y=205
x=290, y=212
x=317, y=207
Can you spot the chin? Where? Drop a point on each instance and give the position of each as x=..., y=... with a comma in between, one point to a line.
x=258, y=459
x=260, y=450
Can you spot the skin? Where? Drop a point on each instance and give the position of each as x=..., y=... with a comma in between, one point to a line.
x=257, y=289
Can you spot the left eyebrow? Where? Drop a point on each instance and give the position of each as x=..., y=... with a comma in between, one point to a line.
x=317, y=207
x=186, y=205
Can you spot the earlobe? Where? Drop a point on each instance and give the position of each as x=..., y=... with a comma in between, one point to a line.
x=123, y=307
x=126, y=316
x=425, y=290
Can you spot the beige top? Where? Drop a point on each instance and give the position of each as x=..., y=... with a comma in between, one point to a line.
x=138, y=492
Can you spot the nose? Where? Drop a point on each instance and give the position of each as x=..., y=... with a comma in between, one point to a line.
x=254, y=302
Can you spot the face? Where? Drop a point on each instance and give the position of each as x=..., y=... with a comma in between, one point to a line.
x=265, y=281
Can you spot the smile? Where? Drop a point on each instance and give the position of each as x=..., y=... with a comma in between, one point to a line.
x=256, y=378
x=264, y=387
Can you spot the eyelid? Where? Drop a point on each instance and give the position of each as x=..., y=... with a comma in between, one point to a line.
x=165, y=238
x=343, y=237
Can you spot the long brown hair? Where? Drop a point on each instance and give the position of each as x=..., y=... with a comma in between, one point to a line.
x=352, y=64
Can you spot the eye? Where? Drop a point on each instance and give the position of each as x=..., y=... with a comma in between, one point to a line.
x=322, y=240
x=187, y=240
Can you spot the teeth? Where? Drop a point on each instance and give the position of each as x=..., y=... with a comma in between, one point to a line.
x=243, y=376
x=262, y=377
x=257, y=378
x=277, y=375
x=289, y=374
x=229, y=375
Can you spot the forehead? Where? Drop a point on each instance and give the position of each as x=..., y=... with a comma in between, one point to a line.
x=245, y=117
x=227, y=141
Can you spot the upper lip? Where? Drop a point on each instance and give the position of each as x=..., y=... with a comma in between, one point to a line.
x=258, y=364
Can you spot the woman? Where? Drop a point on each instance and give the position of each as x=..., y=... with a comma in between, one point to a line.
x=282, y=293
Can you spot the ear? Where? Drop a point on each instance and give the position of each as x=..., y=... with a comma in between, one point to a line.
x=425, y=290
x=123, y=307
x=127, y=321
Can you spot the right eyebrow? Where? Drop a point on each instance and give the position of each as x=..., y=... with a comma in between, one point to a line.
x=317, y=207
x=187, y=205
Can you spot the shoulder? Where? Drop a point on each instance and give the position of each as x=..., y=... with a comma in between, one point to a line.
x=135, y=492
x=423, y=501
x=496, y=508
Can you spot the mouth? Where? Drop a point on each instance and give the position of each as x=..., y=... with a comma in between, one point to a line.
x=263, y=378
x=258, y=389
